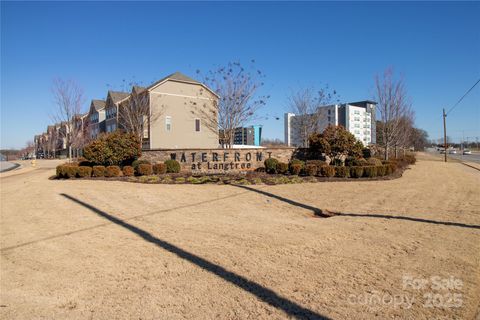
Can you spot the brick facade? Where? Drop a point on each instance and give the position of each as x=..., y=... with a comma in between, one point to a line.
x=219, y=160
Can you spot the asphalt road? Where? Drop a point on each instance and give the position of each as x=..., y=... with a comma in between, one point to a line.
x=474, y=157
x=5, y=166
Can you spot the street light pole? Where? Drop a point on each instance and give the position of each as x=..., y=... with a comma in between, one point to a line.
x=445, y=133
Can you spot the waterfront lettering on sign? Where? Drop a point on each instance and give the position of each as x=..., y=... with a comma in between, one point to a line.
x=219, y=160
x=223, y=161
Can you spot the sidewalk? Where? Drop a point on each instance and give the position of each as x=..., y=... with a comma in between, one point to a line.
x=7, y=166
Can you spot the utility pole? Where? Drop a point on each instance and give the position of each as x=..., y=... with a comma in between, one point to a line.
x=445, y=133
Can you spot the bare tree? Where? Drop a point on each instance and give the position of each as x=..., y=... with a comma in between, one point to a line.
x=305, y=104
x=68, y=97
x=273, y=143
x=406, y=132
x=135, y=114
x=238, y=102
x=394, y=110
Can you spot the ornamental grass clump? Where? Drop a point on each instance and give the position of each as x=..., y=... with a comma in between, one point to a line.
x=172, y=166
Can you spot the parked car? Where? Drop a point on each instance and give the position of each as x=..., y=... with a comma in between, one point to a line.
x=442, y=151
x=466, y=151
x=453, y=151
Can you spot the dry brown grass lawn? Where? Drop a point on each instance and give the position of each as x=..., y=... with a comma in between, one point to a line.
x=98, y=249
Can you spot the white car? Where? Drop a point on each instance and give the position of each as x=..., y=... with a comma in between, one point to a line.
x=466, y=151
x=453, y=151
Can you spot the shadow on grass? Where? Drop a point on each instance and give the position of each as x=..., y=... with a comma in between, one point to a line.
x=266, y=295
x=316, y=211
x=327, y=214
x=388, y=217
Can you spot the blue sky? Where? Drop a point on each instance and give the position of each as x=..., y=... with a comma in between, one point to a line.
x=436, y=46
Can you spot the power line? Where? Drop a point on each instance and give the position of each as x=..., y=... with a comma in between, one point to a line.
x=458, y=102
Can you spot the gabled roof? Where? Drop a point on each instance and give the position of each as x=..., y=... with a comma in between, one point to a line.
x=138, y=89
x=98, y=104
x=174, y=76
x=180, y=77
x=118, y=96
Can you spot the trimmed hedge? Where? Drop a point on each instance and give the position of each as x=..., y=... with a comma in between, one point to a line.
x=342, y=172
x=318, y=163
x=173, y=166
x=136, y=163
x=370, y=171
x=374, y=162
x=112, y=171
x=311, y=169
x=60, y=171
x=356, y=172
x=296, y=168
x=128, y=171
x=381, y=170
x=145, y=169
x=66, y=171
x=282, y=167
x=84, y=171
x=327, y=171
x=296, y=162
x=71, y=171
x=271, y=165
x=98, y=171
x=159, y=168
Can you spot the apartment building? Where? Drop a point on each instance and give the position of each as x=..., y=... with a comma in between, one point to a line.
x=96, y=118
x=114, y=98
x=251, y=135
x=181, y=114
x=357, y=117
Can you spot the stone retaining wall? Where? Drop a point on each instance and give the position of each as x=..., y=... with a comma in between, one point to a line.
x=219, y=160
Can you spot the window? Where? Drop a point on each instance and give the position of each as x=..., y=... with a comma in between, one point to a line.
x=197, y=125
x=329, y=111
x=168, y=123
